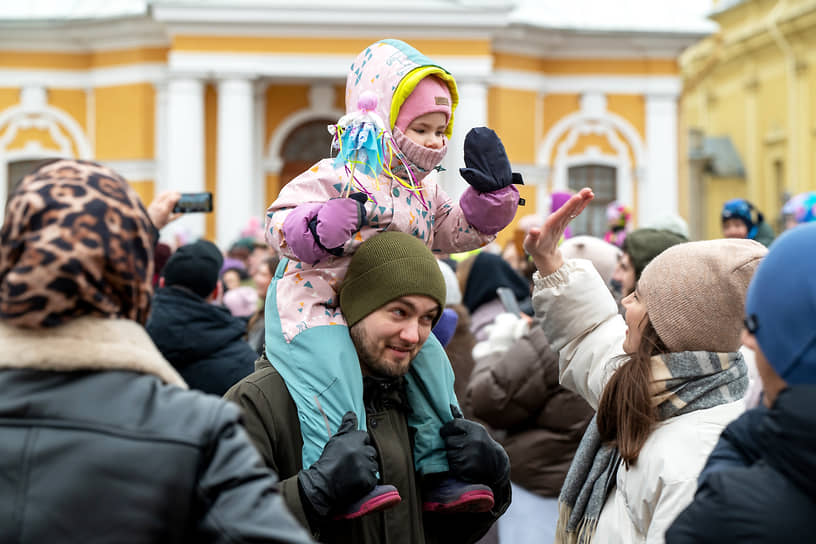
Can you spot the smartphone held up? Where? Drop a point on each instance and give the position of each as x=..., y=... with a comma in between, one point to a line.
x=508, y=300
x=194, y=203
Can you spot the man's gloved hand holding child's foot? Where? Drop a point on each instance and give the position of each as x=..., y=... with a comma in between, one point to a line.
x=342, y=483
x=477, y=464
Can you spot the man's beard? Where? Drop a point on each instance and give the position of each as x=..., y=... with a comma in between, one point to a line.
x=369, y=361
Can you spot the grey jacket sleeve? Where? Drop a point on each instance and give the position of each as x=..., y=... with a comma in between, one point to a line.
x=238, y=499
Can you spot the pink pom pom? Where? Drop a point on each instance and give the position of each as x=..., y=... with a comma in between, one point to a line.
x=367, y=101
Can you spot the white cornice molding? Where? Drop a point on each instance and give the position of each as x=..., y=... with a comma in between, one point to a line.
x=558, y=43
x=311, y=67
x=84, y=79
x=572, y=84
x=307, y=67
x=283, y=30
x=134, y=170
x=83, y=37
x=420, y=13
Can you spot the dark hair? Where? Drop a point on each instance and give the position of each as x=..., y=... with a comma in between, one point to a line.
x=242, y=272
x=625, y=412
x=271, y=263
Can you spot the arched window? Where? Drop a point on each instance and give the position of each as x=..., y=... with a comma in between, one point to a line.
x=17, y=170
x=603, y=182
x=305, y=145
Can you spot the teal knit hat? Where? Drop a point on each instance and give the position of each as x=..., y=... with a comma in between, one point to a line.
x=385, y=267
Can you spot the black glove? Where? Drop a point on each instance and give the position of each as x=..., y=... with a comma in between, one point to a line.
x=346, y=470
x=488, y=168
x=473, y=456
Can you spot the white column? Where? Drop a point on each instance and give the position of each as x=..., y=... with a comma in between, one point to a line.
x=658, y=191
x=471, y=112
x=259, y=197
x=184, y=146
x=160, y=145
x=234, y=159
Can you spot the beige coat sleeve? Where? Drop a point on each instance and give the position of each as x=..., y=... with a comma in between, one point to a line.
x=580, y=318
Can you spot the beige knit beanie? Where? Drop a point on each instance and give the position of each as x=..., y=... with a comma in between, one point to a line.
x=694, y=293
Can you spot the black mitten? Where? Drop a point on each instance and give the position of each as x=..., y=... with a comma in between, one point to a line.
x=487, y=166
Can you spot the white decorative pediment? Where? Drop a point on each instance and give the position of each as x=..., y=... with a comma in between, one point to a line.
x=33, y=112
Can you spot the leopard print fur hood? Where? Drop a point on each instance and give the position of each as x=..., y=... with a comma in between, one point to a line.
x=76, y=242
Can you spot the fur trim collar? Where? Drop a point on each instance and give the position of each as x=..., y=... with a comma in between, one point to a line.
x=86, y=343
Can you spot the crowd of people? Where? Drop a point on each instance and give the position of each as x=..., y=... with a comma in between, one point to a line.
x=367, y=365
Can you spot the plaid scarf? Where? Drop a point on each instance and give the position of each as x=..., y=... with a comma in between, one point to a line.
x=681, y=383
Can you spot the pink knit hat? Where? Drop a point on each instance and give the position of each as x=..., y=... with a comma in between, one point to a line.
x=241, y=301
x=431, y=95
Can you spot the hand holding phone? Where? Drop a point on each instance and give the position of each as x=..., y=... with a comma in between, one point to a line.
x=194, y=203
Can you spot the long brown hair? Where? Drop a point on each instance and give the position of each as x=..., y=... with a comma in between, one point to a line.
x=625, y=412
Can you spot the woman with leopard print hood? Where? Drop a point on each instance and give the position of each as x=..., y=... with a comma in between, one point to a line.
x=94, y=424
x=76, y=242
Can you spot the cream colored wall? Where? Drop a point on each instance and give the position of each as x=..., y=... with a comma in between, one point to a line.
x=528, y=193
x=509, y=111
x=124, y=115
x=719, y=190
x=741, y=84
x=511, y=114
x=210, y=153
x=125, y=127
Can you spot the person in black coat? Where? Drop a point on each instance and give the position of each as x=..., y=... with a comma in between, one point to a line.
x=758, y=483
x=204, y=342
x=100, y=440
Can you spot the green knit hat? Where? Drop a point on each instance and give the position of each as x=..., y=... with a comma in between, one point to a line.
x=643, y=245
x=385, y=267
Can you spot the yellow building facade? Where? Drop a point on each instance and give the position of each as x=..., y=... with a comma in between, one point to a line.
x=234, y=98
x=748, y=110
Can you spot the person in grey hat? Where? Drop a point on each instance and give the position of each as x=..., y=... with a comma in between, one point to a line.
x=758, y=483
x=202, y=340
x=665, y=382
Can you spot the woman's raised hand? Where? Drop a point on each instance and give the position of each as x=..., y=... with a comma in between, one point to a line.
x=542, y=243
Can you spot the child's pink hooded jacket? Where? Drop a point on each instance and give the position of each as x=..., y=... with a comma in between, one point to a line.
x=307, y=294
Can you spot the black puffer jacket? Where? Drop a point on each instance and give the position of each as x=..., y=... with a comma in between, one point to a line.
x=758, y=485
x=95, y=448
x=202, y=341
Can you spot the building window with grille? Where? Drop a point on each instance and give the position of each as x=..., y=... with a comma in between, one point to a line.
x=603, y=182
x=17, y=170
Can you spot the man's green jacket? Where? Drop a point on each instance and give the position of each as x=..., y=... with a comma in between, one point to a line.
x=271, y=419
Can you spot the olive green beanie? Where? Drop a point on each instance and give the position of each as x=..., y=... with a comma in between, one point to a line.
x=643, y=245
x=385, y=267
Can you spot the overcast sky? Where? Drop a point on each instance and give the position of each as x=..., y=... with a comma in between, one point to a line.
x=612, y=15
